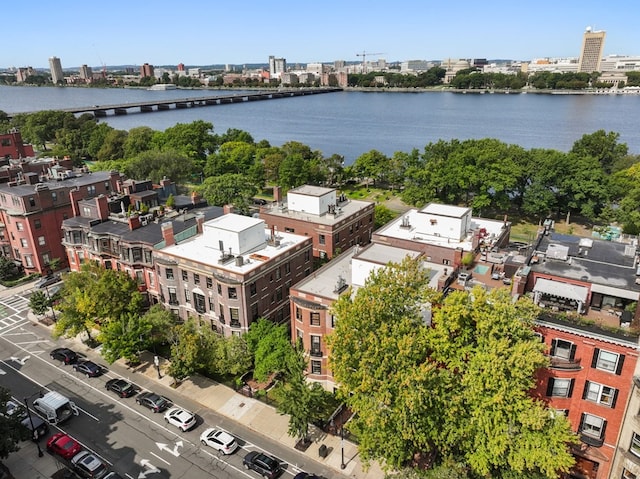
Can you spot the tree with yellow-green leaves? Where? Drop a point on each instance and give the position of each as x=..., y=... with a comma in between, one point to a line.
x=445, y=381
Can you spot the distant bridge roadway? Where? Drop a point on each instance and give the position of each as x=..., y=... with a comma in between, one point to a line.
x=165, y=104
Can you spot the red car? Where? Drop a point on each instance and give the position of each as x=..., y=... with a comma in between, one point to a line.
x=63, y=445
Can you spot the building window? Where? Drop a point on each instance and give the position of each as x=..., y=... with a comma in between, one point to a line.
x=333, y=321
x=199, y=303
x=221, y=314
x=23, y=242
x=219, y=289
x=173, y=297
x=279, y=294
x=289, y=230
x=278, y=273
x=233, y=293
x=196, y=278
x=315, y=345
x=29, y=261
x=54, y=196
x=187, y=296
x=316, y=367
x=635, y=444
x=37, y=224
x=298, y=314
x=209, y=283
x=307, y=271
x=560, y=387
x=607, y=361
x=253, y=289
x=321, y=239
x=45, y=258
x=563, y=349
x=287, y=268
x=185, y=275
x=152, y=279
x=19, y=226
x=234, y=314
x=315, y=319
x=299, y=336
x=600, y=394
x=41, y=241
x=592, y=426
x=626, y=474
x=307, y=255
x=169, y=273
x=254, y=312
x=337, y=240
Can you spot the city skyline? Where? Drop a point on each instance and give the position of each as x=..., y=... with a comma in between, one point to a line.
x=203, y=34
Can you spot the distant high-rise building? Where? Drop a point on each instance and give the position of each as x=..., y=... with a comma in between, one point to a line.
x=180, y=67
x=56, y=70
x=591, y=52
x=277, y=66
x=86, y=73
x=146, y=70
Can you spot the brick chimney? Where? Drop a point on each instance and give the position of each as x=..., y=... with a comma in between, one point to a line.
x=134, y=222
x=226, y=209
x=75, y=195
x=200, y=223
x=277, y=194
x=102, y=204
x=167, y=233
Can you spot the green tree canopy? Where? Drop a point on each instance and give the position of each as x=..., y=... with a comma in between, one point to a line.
x=154, y=165
x=228, y=189
x=457, y=388
x=12, y=432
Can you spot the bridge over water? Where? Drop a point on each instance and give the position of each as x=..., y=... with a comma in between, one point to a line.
x=164, y=104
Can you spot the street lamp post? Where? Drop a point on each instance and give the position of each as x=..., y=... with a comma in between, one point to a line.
x=33, y=431
x=342, y=464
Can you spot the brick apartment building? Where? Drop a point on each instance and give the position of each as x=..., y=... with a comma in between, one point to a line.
x=334, y=222
x=13, y=148
x=32, y=212
x=231, y=274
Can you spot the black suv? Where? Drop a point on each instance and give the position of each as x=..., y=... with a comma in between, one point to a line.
x=153, y=401
x=263, y=464
x=65, y=355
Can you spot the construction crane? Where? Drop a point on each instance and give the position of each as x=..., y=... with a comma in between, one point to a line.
x=364, y=58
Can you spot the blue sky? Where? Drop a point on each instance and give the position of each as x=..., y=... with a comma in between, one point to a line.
x=163, y=32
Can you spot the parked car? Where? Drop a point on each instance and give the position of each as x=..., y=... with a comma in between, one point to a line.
x=35, y=424
x=153, y=401
x=306, y=475
x=88, y=368
x=219, y=440
x=47, y=281
x=88, y=465
x=259, y=201
x=181, y=418
x=263, y=464
x=63, y=445
x=64, y=355
x=121, y=387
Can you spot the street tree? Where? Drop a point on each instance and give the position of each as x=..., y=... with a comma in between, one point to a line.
x=125, y=337
x=39, y=303
x=191, y=348
x=95, y=295
x=454, y=388
x=12, y=432
x=270, y=345
x=231, y=356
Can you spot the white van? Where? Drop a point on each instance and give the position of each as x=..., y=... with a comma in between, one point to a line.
x=55, y=407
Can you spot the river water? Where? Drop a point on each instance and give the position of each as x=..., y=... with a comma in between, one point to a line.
x=353, y=123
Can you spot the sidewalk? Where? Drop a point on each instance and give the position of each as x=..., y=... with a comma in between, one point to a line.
x=252, y=413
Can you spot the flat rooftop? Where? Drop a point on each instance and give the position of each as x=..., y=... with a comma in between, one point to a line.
x=345, y=209
x=607, y=263
x=414, y=217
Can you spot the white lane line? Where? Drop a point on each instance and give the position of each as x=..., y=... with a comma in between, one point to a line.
x=158, y=457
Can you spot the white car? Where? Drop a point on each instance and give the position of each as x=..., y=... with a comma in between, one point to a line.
x=181, y=418
x=220, y=440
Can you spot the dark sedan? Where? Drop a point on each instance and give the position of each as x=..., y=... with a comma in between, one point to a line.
x=121, y=387
x=263, y=464
x=153, y=401
x=64, y=355
x=88, y=368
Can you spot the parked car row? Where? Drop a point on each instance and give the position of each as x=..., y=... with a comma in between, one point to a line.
x=89, y=466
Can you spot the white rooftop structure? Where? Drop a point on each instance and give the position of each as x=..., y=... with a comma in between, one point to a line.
x=235, y=243
x=441, y=225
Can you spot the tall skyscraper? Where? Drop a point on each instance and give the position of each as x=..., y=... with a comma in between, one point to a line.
x=277, y=66
x=591, y=52
x=56, y=70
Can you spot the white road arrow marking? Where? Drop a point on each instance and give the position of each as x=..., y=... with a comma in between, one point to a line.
x=19, y=361
x=148, y=469
x=165, y=447
x=2, y=373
